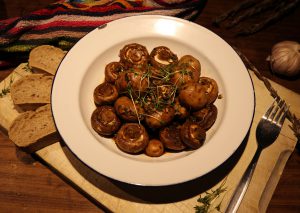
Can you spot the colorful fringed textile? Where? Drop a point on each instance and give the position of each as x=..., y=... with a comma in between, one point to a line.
x=63, y=23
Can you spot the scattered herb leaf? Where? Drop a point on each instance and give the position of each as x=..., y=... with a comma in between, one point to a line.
x=206, y=202
x=26, y=68
x=6, y=89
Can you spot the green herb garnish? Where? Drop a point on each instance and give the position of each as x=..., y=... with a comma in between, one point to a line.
x=206, y=203
x=6, y=89
x=26, y=68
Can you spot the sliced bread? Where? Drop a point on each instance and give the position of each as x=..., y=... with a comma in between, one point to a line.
x=33, y=130
x=32, y=90
x=45, y=58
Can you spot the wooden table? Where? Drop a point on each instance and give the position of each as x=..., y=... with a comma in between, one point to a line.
x=28, y=185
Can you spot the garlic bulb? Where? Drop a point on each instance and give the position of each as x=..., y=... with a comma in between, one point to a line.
x=285, y=58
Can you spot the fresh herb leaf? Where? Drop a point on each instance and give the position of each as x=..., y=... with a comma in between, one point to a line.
x=26, y=68
x=206, y=202
x=4, y=91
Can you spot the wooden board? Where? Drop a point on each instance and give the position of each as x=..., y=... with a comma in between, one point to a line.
x=118, y=196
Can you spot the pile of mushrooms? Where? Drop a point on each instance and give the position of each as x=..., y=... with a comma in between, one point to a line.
x=154, y=102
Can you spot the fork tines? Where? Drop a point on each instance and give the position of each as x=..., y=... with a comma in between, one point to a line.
x=279, y=109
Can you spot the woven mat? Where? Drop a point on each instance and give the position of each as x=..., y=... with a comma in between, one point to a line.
x=64, y=22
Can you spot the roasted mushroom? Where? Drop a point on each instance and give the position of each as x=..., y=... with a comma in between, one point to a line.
x=193, y=96
x=132, y=138
x=132, y=81
x=155, y=148
x=161, y=57
x=159, y=76
x=105, y=121
x=128, y=110
x=156, y=73
x=192, y=63
x=211, y=88
x=160, y=118
x=166, y=92
x=134, y=55
x=192, y=134
x=187, y=70
x=206, y=116
x=181, y=112
x=105, y=93
x=170, y=137
x=160, y=91
x=158, y=97
x=112, y=71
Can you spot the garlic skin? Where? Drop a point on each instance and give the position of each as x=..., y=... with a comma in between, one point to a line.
x=285, y=58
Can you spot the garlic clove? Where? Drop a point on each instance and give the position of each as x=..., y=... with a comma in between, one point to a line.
x=285, y=58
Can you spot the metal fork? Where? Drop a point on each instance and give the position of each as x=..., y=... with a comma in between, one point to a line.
x=267, y=131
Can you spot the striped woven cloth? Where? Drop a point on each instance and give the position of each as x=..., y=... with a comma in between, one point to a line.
x=63, y=23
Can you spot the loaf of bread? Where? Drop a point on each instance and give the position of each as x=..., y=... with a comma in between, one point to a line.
x=45, y=58
x=32, y=91
x=33, y=130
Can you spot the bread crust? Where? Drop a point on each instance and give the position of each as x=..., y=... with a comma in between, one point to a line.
x=32, y=127
x=45, y=58
x=33, y=130
x=32, y=90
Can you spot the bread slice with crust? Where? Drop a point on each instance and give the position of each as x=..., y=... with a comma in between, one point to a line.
x=33, y=130
x=32, y=90
x=45, y=58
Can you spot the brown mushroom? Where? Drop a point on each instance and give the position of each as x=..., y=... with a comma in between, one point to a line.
x=134, y=55
x=105, y=93
x=105, y=121
x=187, y=70
x=155, y=148
x=127, y=110
x=192, y=63
x=192, y=134
x=112, y=71
x=206, y=116
x=159, y=76
x=132, y=138
x=211, y=88
x=160, y=118
x=156, y=74
x=170, y=137
x=132, y=81
x=158, y=97
x=166, y=92
x=157, y=90
x=193, y=96
x=161, y=57
x=181, y=112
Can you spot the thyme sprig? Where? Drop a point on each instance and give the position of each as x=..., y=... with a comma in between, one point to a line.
x=26, y=68
x=6, y=89
x=165, y=73
x=160, y=93
x=207, y=202
x=129, y=90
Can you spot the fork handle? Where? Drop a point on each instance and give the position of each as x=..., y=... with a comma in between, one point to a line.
x=241, y=189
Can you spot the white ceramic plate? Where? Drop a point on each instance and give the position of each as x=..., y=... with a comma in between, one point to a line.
x=83, y=69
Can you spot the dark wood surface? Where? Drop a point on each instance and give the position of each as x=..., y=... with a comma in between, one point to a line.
x=27, y=185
